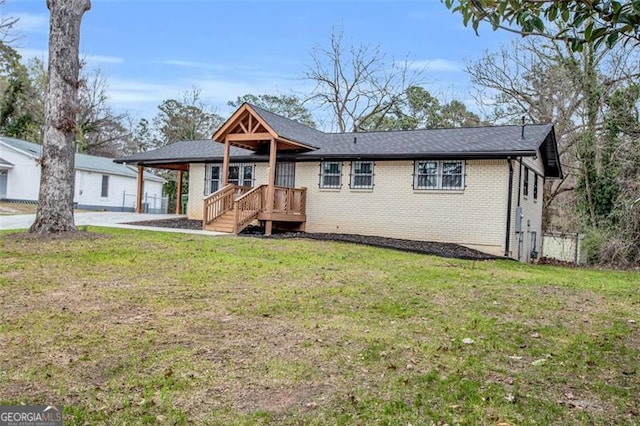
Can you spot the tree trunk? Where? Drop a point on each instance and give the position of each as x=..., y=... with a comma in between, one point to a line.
x=55, y=202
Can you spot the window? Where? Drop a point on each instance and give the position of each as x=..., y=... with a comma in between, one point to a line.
x=330, y=174
x=525, y=182
x=452, y=175
x=426, y=176
x=535, y=186
x=286, y=174
x=361, y=174
x=445, y=175
x=105, y=186
x=212, y=178
x=239, y=174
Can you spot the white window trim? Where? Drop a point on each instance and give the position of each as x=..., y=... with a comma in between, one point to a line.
x=353, y=175
x=323, y=174
x=439, y=176
x=241, y=166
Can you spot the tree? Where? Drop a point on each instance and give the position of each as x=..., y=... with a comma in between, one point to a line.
x=188, y=118
x=421, y=110
x=6, y=26
x=14, y=83
x=358, y=87
x=100, y=130
x=55, y=202
x=548, y=83
x=289, y=106
x=577, y=22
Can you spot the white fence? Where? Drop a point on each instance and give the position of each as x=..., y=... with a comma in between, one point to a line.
x=150, y=203
x=564, y=247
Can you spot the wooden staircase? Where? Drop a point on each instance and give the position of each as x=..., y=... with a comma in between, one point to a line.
x=223, y=223
x=233, y=208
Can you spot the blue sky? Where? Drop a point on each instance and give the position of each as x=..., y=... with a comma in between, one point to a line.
x=154, y=50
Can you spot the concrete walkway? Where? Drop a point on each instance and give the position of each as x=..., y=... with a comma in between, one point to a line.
x=105, y=219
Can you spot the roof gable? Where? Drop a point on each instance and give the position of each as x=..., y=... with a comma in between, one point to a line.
x=252, y=128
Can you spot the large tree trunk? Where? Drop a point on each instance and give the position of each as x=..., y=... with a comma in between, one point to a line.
x=55, y=202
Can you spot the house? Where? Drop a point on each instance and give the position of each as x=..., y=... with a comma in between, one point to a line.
x=480, y=187
x=100, y=184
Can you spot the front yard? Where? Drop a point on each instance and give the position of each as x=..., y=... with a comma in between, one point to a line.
x=139, y=327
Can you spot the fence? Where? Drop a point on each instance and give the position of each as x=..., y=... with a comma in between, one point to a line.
x=150, y=203
x=564, y=247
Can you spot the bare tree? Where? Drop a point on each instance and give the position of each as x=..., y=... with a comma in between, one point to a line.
x=357, y=84
x=55, y=202
x=100, y=131
x=547, y=82
x=6, y=27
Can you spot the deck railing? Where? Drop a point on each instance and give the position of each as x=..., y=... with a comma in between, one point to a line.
x=247, y=203
x=221, y=201
x=246, y=208
x=288, y=200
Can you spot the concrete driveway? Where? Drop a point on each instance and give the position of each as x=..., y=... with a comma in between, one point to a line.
x=108, y=219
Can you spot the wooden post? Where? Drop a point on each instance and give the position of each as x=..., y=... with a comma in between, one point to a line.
x=179, y=193
x=225, y=163
x=140, y=189
x=271, y=189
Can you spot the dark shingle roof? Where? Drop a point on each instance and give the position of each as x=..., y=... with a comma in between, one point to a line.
x=290, y=129
x=470, y=142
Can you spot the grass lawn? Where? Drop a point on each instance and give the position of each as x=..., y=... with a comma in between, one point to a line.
x=16, y=208
x=151, y=328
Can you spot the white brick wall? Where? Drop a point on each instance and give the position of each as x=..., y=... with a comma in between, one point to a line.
x=196, y=191
x=474, y=217
x=531, y=209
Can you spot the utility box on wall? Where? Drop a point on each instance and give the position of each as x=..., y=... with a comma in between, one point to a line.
x=519, y=217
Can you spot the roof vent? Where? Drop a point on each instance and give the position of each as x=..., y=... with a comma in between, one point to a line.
x=522, y=135
x=355, y=140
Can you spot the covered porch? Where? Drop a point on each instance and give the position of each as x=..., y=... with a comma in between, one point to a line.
x=232, y=208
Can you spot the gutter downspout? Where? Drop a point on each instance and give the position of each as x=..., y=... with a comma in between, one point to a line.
x=518, y=205
x=507, y=238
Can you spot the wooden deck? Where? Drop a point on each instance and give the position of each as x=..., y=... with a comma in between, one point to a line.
x=233, y=208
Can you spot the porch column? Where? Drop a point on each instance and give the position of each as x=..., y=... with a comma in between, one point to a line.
x=179, y=193
x=225, y=163
x=140, y=189
x=271, y=190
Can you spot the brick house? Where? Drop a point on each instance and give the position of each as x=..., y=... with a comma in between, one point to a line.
x=480, y=187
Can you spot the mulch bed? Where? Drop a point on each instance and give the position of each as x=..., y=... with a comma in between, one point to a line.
x=424, y=247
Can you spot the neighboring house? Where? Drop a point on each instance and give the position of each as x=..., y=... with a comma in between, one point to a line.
x=480, y=187
x=100, y=184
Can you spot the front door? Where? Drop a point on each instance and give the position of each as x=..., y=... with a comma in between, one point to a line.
x=3, y=184
x=286, y=174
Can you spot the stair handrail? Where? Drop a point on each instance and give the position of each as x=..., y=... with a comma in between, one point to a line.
x=218, y=203
x=246, y=208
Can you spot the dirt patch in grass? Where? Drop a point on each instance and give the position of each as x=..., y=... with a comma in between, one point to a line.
x=160, y=328
x=55, y=236
x=17, y=208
